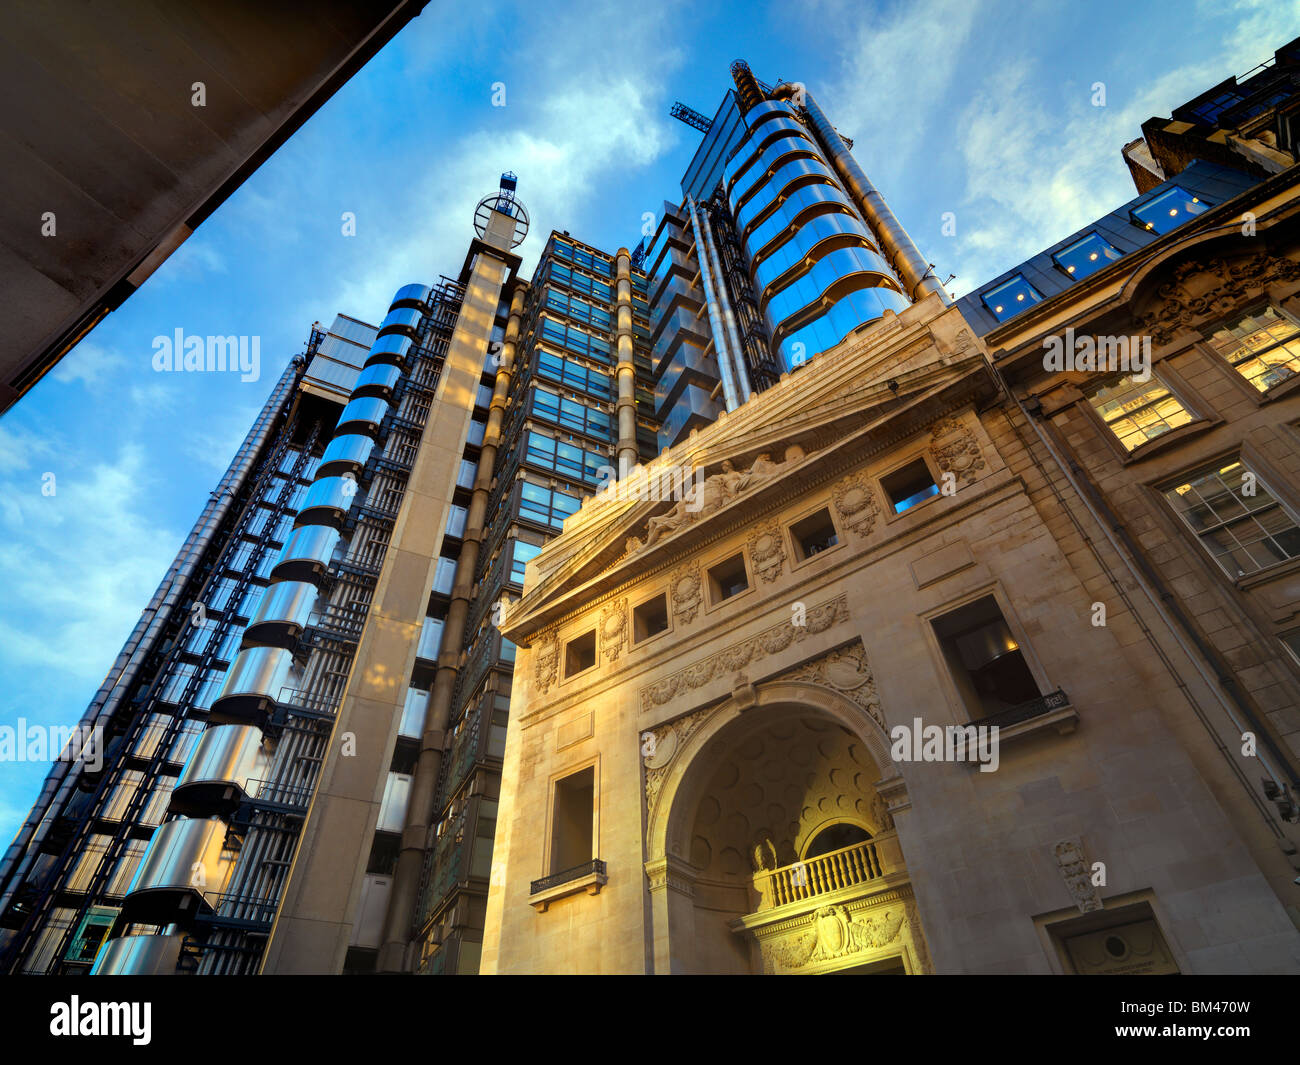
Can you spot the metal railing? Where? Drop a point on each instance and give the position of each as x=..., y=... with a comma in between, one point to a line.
x=858, y=863
x=556, y=879
x=1025, y=711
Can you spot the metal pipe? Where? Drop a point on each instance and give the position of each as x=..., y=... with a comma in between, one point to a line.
x=896, y=246
x=728, y=317
x=748, y=94
x=628, y=453
x=730, y=393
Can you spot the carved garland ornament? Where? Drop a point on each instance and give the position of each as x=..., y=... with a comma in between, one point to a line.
x=735, y=658
x=855, y=502
x=955, y=449
x=767, y=551
x=1183, y=305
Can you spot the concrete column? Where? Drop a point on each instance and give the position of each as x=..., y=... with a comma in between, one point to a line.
x=628, y=455
x=437, y=715
x=314, y=926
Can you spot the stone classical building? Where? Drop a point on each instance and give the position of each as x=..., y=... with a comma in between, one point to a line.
x=723, y=754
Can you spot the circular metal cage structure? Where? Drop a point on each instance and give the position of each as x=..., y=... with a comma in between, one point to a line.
x=505, y=202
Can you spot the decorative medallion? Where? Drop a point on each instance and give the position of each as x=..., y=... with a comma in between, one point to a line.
x=955, y=449
x=613, y=628
x=767, y=551
x=855, y=502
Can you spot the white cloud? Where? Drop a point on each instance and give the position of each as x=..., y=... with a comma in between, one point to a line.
x=82, y=562
x=89, y=363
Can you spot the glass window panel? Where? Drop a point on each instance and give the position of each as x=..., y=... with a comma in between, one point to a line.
x=1086, y=256
x=1011, y=297
x=1168, y=210
x=1239, y=521
x=1137, y=411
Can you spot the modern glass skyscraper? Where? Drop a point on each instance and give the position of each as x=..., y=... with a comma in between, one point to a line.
x=226, y=716
x=304, y=736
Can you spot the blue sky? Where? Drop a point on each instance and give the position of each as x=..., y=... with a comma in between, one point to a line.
x=982, y=109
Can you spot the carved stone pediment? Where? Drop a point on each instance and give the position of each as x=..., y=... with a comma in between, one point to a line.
x=1197, y=292
x=838, y=409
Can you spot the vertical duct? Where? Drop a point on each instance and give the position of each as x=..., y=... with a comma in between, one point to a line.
x=738, y=374
x=902, y=255
x=628, y=453
x=730, y=392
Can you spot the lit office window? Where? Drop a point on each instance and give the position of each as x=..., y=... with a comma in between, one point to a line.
x=1263, y=346
x=1011, y=297
x=1137, y=411
x=1236, y=518
x=1086, y=256
x=1168, y=210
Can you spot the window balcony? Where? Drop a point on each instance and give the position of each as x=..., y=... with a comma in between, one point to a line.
x=849, y=867
x=589, y=877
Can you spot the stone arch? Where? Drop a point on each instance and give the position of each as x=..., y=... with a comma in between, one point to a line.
x=687, y=870
x=774, y=698
x=830, y=822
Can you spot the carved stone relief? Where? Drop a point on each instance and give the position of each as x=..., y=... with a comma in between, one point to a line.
x=613, y=628
x=1199, y=291
x=715, y=493
x=955, y=449
x=855, y=502
x=1077, y=874
x=767, y=551
x=846, y=671
x=686, y=592
x=833, y=932
x=738, y=656
x=548, y=661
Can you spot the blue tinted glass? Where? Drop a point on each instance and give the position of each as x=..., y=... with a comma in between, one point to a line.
x=1011, y=297
x=919, y=497
x=1086, y=256
x=1168, y=210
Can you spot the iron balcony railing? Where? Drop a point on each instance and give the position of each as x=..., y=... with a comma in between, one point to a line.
x=1025, y=711
x=556, y=879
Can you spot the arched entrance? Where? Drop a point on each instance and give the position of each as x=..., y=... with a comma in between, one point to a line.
x=770, y=848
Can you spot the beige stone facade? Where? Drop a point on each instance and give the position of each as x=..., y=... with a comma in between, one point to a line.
x=738, y=746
